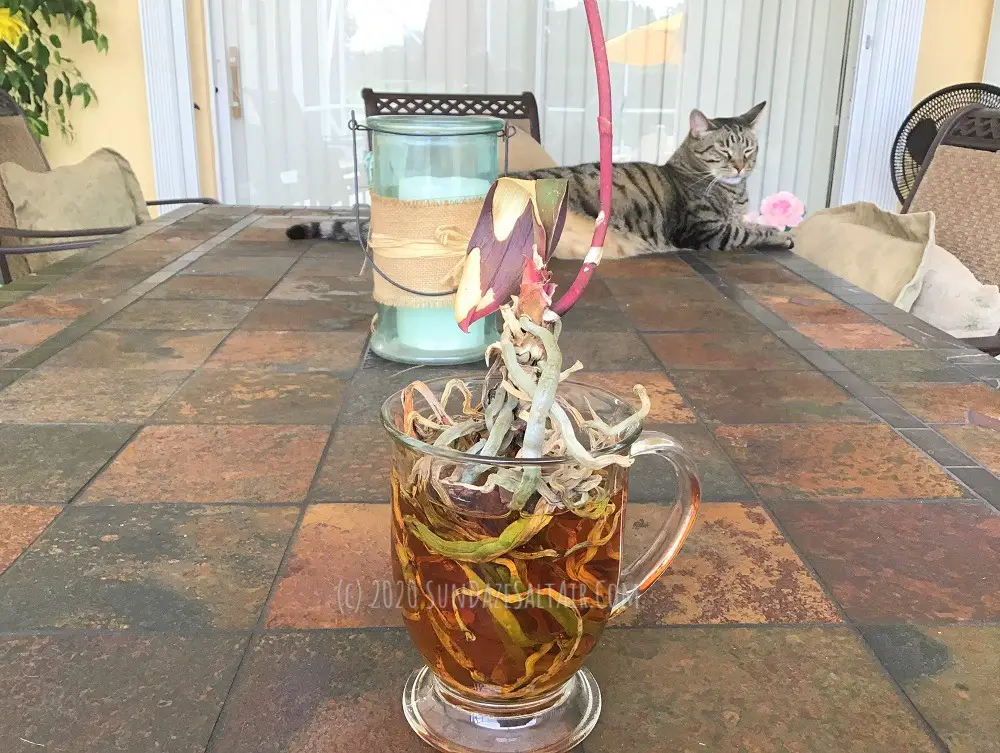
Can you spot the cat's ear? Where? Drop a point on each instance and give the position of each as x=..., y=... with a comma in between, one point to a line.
x=751, y=116
x=700, y=124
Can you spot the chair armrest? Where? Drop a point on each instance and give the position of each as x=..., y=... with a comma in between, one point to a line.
x=13, y=232
x=164, y=202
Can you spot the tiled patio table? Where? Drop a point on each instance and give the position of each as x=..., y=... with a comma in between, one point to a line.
x=193, y=490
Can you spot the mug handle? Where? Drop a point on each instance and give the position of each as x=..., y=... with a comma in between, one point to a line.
x=639, y=575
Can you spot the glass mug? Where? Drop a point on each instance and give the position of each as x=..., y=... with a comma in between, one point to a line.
x=506, y=606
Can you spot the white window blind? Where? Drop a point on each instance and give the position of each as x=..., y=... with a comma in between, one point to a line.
x=304, y=63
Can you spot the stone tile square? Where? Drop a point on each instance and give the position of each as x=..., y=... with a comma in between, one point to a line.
x=290, y=351
x=213, y=464
x=312, y=288
x=758, y=271
x=311, y=316
x=855, y=337
x=769, y=397
x=834, y=461
x=607, y=351
x=44, y=307
x=747, y=689
x=9, y=352
x=668, y=407
x=681, y=305
x=378, y=379
x=735, y=567
x=797, y=310
x=327, y=690
x=981, y=442
x=947, y=403
x=221, y=396
x=179, y=315
x=87, y=395
x=356, y=467
x=650, y=480
x=72, y=455
x=122, y=693
x=596, y=317
x=335, y=265
x=902, y=561
x=170, y=567
x=143, y=349
x=216, y=287
x=724, y=350
x=891, y=366
x=952, y=675
x=237, y=246
x=693, y=316
x=21, y=524
x=645, y=267
x=331, y=691
x=29, y=332
x=272, y=267
x=338, y=573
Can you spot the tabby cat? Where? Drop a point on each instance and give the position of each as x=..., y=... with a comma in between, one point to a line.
x=697, y=200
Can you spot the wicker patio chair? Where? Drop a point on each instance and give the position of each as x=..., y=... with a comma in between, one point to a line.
x=18, y=144
x=960, y=181
x=519, y=110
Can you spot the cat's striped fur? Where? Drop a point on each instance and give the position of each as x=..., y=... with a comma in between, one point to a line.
x=697, y=200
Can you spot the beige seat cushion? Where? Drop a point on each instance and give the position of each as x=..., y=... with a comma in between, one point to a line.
x=16, y=145
x=94, y=193
x=525, y=153
x=878, y=251
x=962, y=186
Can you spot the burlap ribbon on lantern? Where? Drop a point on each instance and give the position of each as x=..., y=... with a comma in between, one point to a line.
x=420, y=244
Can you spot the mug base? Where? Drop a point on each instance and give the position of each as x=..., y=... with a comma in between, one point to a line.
x=555, y=724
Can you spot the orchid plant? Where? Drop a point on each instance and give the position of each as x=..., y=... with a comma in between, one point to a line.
x=506, y=271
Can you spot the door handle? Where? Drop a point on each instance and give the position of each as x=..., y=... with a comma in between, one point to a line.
x=236, y=92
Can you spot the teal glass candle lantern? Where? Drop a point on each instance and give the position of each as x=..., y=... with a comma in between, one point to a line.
x=428, y=177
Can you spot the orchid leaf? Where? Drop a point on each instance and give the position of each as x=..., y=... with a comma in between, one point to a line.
x=550, y=202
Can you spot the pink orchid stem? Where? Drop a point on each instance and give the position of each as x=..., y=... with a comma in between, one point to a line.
x=572, y=295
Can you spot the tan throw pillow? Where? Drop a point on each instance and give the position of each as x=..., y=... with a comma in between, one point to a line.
x=90, y=194
x=876, y=250
x=961, y=187
x=525, y=154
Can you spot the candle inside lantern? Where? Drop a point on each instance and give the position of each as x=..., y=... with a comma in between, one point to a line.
x=436, y=329
x=441, y=161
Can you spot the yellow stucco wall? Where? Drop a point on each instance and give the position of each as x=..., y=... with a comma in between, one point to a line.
x=120, y=119
x=952, y=44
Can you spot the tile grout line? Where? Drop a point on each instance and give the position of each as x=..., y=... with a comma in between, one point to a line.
x=905, y=699
x=145, y=422
x=695, y=263
x=849, y=623
x=259, y=627
x=78, y=329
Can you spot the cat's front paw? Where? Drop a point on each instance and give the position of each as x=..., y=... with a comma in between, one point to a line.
x=783, y=241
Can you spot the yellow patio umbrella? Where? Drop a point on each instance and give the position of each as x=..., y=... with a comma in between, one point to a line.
x=653, y=44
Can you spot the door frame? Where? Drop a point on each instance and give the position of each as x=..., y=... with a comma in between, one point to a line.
x=218, y=81
x=169, y=98
x=858, y=96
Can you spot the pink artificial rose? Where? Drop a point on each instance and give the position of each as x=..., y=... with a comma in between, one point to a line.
x=782, y=210
x=752, y=218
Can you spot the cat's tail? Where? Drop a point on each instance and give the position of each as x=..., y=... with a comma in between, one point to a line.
x=338, y=231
